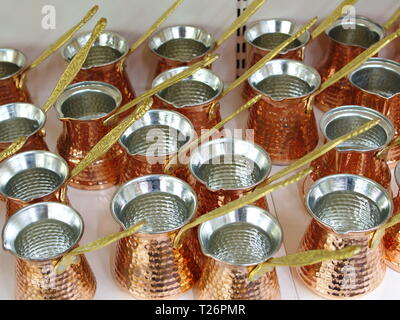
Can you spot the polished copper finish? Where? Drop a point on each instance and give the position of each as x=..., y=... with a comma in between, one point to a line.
x=391, y=239
x=279, y=120
x=12, y=77
x=195, y=97
x=82, y=108
x=376, y=85
x=359, y=155
x=346, y=41
x=105, y=62
x=146, y=263
x=264, y=35
x=151, y=141
x=180, y=46
x=340, y=219
x=31, y=183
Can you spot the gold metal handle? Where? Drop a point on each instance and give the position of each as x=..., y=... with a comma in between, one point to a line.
x=241, y=20
x=72, y=257
x=395, y=16
x=167, y=83
x=301, y=259
x=352, y=65
x=173, y=163
x=68, y=75
x=154, y=27
x=338, y=12
x=110, y=138
x=383, y=153
x=378, y=234
x=239, y=203
x=63, y=39
x=267, y=57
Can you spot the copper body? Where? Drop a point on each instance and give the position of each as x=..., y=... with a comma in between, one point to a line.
x=150, y=268
x=391, y=239
x=344, y=46
x=82, y=109
x=220, y=281
x=365, y=271
x=32, y=279
x=376, y=85
x=34, y=142
x=12, y=77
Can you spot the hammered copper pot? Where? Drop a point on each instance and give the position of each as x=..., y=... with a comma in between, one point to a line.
x=346, y=210
x=31, y=177
x=280, y=122
x=82, y=108
x=359, y=155
x=196, y=97
x=347, y=39
x=22, y=119
x=391, y=239
x=152, y=141
x=234, y=244
x=38, y=236
x=146, y=263
x=178, y=46
x=223, y=170
x=12, y=76
x=376, y=85
x=105, y=62
x=264, y=35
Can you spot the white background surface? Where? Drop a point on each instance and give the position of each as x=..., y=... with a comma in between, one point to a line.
x=21, y=28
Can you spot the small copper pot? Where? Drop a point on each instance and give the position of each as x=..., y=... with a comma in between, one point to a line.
x=346, y=41
x=105, y=62
x=146, y=264
x=12, y=76
x=31, y=177
x=376, y=85
x=280, y=122
x=391, y=239
x=346, y=210
x=359, y=155
x=264, y=35
x=178, y=46
x=233, y=245
x=151, y=141
x=82, y=108
x=39, y=235
x=195, y=97
x=22, y=119
x=223, y=170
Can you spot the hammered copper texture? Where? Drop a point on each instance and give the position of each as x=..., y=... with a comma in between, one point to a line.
x=33, y=281
x=203, y=117
x=340, y=93
x=219, y=281
x=150, y=268
x=14, y=90
x=365, y=164
x=76, y=140
x=283, y=128
x=348, y=278
x=386, y=106
x=391, y=240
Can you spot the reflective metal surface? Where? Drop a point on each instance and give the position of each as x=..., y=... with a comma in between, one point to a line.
x=146, y=264
x=38, y=235
x=232, y=243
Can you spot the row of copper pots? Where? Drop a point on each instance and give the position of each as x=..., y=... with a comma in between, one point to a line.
x=346, y=211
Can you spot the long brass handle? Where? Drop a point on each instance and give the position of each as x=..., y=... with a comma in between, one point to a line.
x=66, y=78
x=171, y=81
x=155, y=26
x=352, y=65
x=332, y=18
x=394, y=17
x=62, y=40
x=378, y=234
